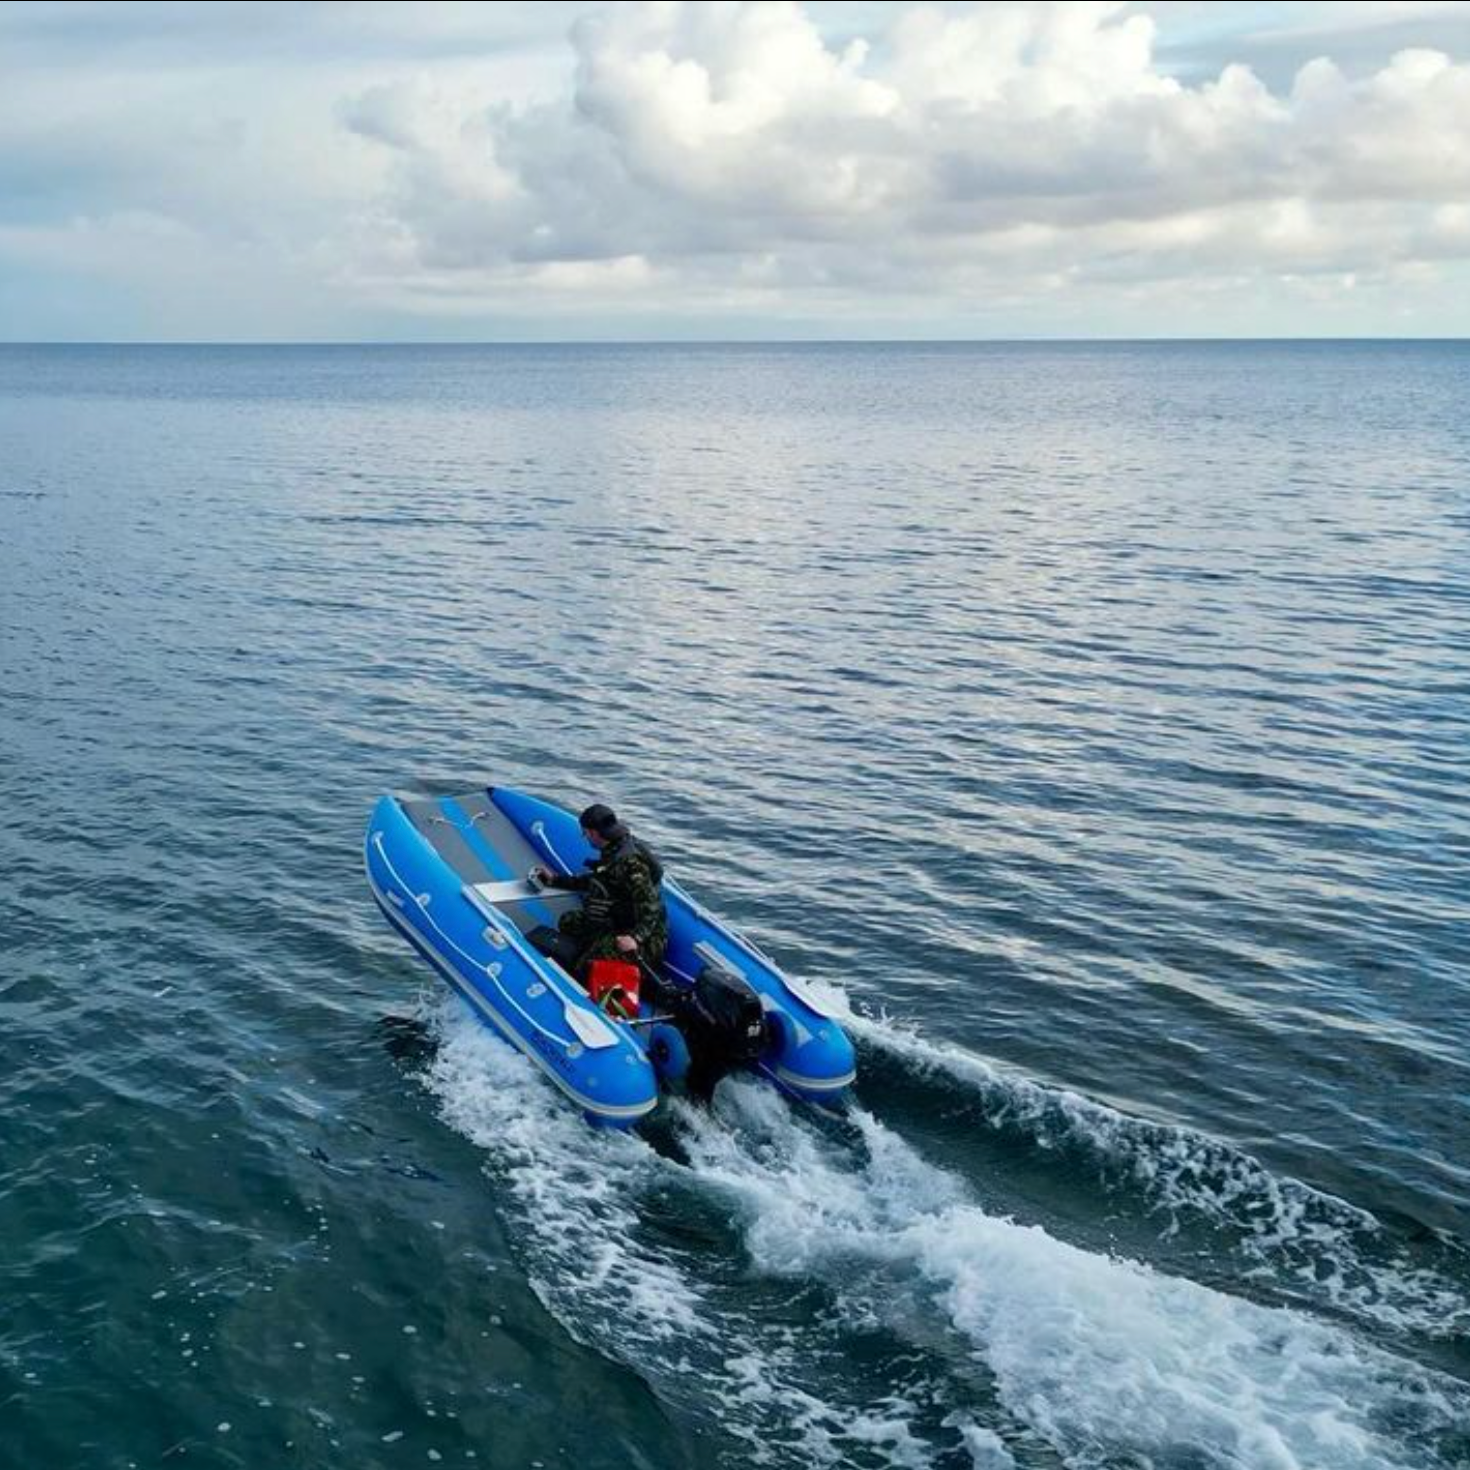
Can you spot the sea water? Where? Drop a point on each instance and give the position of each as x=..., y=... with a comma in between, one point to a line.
x=1089, y=724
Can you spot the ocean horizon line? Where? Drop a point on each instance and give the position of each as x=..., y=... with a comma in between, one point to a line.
x=626, y=342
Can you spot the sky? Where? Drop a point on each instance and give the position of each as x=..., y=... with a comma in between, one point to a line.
x=483, y=172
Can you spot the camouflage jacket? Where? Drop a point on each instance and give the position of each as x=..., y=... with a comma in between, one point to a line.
x=622, y=892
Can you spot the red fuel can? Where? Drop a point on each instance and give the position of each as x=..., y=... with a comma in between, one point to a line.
x=613, y=984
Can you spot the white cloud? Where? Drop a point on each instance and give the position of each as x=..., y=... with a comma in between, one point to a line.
x=968, y=150
x=922, y=168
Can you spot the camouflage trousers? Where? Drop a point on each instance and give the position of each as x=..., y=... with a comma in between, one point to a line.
x=599, y=943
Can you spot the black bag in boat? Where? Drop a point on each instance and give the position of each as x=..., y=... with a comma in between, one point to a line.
x=555, y=945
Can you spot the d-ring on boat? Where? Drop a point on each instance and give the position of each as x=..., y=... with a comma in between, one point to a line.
x=451, y=873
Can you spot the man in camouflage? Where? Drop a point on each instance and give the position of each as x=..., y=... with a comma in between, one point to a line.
x=622, y=914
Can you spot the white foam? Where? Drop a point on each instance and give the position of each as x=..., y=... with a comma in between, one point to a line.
x=1105, y=1356
x=987, y=1452
x=568, y=1177
x=1100, y=1358
x=574, y=1195
x=1311, y=1242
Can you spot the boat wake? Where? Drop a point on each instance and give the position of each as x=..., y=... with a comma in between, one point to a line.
x=1310, y=1246
x=810, y=1289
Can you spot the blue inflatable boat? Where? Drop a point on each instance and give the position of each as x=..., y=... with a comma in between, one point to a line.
x=453, y=876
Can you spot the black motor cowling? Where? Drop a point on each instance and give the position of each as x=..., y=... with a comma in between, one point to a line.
x=723, y=1022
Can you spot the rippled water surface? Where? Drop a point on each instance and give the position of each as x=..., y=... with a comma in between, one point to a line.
x=1092, y=724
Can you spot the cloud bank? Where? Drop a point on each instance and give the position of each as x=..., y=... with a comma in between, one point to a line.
x=1012, y=166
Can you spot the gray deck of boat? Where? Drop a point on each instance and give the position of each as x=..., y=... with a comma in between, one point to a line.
x=500, y=835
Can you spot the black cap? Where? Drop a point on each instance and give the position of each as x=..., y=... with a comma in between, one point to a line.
x=599, y=818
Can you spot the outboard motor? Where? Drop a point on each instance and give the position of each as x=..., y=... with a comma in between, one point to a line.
x=723, y=1022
